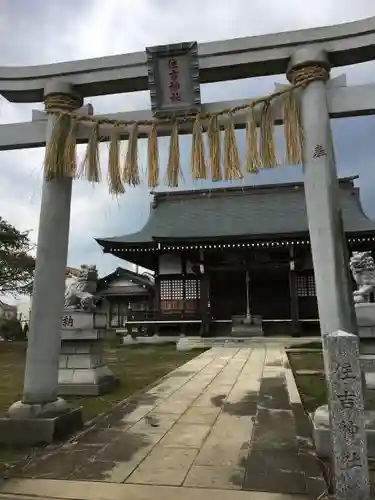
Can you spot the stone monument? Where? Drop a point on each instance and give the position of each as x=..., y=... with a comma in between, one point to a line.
x=362, y=267
x=82, y=370
x=346, y=408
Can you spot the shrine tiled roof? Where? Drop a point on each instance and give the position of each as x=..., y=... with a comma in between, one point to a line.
x=247, y=212
x=138, y=280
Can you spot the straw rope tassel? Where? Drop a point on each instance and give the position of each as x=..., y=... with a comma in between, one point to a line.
x=252, y=160
x=54, y=155
x=197, y=159
x=153, y=157
x=232, y=163
x=292, y=130
x=70, y=154
x=131, y=168
x=60, y=154
x=213, y=134
x=267, y=140
x=173, y=167
x=114, y=175
x=90, y=167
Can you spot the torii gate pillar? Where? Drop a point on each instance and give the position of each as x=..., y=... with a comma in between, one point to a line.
x=328, y=242
x=41, y=414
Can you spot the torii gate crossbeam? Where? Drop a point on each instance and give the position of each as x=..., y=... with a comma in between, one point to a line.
x=349, y=43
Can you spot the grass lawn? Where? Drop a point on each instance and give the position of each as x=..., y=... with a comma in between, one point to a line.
x=137, y=366
x=311, y=386
x=308, y=370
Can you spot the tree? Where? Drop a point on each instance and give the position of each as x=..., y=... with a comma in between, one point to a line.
x=16, y=263
x=11, y=329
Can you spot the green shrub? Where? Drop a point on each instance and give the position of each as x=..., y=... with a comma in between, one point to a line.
x=11, y=329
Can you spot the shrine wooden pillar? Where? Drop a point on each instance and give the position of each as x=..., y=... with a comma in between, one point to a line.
x=294, y=310
x=204, y=296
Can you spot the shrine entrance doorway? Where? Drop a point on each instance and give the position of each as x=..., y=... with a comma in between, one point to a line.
x=227, y=294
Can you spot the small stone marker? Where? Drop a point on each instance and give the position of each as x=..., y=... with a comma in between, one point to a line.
x=347, y=420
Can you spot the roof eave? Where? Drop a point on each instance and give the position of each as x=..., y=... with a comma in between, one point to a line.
x=135, y=278
x=106, y=243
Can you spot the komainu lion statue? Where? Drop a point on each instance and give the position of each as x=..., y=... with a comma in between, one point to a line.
x=81, y=293
x=362, y=266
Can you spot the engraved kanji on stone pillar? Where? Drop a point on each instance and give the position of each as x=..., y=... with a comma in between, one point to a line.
x=347, y=417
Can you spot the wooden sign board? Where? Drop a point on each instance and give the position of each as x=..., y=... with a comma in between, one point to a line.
x=173, y=79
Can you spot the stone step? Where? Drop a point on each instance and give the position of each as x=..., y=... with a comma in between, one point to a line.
x=187, y=343
x=247, y=331
x=240, y=320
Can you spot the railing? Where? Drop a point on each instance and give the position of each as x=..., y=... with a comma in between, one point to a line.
x=155, y=316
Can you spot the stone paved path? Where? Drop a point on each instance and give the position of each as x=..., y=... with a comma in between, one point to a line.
x=222, y=421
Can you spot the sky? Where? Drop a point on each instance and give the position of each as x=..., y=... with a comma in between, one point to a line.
x=36, y=32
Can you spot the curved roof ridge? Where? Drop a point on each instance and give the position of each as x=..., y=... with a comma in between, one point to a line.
x=278, y=213
x=238, y=189
x=358, y=204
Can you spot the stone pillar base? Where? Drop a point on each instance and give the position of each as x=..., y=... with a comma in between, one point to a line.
x=33, y=424
x=82, y=369
x=322, y=433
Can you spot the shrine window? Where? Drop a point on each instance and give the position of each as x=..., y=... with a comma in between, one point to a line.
x=171, y=289
x=117, y=314
x=192, y=289
x=306, y=285
x=120, y=310
x=179, y=294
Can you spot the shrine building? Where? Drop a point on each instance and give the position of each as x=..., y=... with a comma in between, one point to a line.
x=223, y=257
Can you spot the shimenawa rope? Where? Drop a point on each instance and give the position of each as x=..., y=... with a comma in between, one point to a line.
x=260, y=152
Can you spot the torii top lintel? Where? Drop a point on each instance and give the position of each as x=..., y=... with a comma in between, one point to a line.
x=348, y=43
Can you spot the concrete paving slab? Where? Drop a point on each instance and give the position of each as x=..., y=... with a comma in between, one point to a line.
x=164, y=466
x=172, y=407
x=229, y=426
x=200, y=415
x=137, y=414
x=58, y=465
x=155, y=423
x=274, y=430
x=221, y=422
x=129, y=446
x=275, y=471
x=186, y=435
x=215, y=477
x=227, y=453
x=96, y=471
x=79, y=490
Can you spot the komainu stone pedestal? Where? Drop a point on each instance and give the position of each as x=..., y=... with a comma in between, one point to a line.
x=82, y=369
x=322, y=433
x=365, y=313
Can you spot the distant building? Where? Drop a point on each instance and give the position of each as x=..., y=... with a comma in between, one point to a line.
x=7, y=311
x=124, y=292
x=121, y=292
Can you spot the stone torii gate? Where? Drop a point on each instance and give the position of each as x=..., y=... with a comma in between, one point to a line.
x=72, y=82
